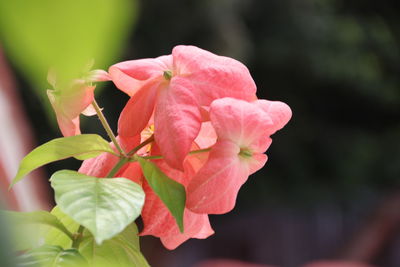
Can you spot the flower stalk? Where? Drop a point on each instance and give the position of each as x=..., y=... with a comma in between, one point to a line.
x=107, y=127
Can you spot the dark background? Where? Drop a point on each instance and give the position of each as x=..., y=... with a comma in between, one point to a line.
x=333, y=172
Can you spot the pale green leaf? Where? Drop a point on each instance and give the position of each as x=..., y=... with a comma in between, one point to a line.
x=171, y=193
x=82, y=146
x=57, y=238
x=29, y=228
x=19, y=219
x=104, y=206
x=121, y=251
x=52, y=256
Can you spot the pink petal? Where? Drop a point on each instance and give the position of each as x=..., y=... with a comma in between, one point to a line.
x=98, y=76
x=207, y=136
x=214, y=188
x=130, y=76
x=213, y=76
x=177, y=121
x=89, y=111
x=137, y=112
x=193, y=163
x=196, y=226
x=99, y=166
x=156, y=218
x=159, y=222
x=68, y=103
x=68, y=127
x=205, y=113
x=76, y=99
x=256, y=162
x=241, y=122
x=133, y=172
x=279, y=112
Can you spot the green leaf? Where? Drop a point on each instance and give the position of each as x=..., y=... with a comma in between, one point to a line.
x=82, y=146
x=19, y=219
x=29, y=228
x=123, y=250
x=52, y=256
x=54, y=236
x=104, y=206
x=171, y=193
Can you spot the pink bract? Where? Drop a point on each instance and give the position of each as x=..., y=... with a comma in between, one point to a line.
x=177, y=87
x=69, y=102
x=243, y=131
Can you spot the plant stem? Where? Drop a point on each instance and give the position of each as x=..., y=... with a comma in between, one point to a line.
x=117, y=166
x=190, y=153
x=107, y=127
x=127, y=158
x=152, y=157
x=78, y=237
x=145, y=142
x=200, y=151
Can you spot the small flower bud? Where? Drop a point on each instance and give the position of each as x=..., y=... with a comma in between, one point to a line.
x=167, y=74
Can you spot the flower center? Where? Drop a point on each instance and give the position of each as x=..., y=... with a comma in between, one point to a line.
x=167, y=74
x=246, y=153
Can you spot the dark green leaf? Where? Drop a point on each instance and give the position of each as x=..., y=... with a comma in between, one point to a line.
x=170, y=192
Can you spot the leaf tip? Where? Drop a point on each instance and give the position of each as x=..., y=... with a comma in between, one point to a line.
x=181, y=228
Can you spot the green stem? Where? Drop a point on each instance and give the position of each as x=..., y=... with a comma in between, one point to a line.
x=190, y=153
x=117, y=166
x=145, y=142
x=200, y=151
x=152, y=157
x=128, y=158
x=78, y=237
x=107, y=127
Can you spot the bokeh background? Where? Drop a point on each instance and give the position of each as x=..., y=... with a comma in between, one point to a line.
x=330, y=189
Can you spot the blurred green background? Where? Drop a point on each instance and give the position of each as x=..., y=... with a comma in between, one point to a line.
x=336, y=63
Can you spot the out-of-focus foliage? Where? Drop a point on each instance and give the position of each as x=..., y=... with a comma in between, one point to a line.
x=6, y=254
x=63, y=35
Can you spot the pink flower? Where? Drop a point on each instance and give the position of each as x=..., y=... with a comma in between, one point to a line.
x=159, y=222
x=156, y=217
x=176, y=88
x=69, y=102
x=243, y=131
x=101, y=165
